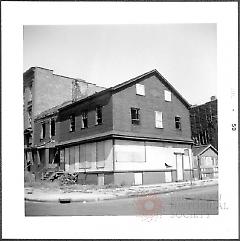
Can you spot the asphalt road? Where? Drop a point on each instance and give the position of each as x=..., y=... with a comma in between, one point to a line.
x=197, y=201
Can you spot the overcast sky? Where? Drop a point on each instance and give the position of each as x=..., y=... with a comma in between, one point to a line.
x=185, y=54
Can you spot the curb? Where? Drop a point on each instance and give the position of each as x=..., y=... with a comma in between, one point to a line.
x=69, y=199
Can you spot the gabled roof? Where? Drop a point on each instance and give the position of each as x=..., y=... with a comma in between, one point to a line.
x=160, y=77
x=198, y=150
x=132, y=81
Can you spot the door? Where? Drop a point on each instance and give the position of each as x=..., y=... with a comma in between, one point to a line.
x=138, y=178
x=179, y=164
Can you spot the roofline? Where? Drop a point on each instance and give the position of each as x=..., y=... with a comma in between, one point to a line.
x=207, y=147
x=78, y=79
x=128, y=82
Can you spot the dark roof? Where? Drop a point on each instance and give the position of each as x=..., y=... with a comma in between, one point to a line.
x=52, y=110
x=133, y=81
x=198, y=150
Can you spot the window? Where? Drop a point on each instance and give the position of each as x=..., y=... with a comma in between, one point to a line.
x=52, y=127
x=167, y=95
x=135, y=116
x=99, y=115
x=140, y=89
x=84, y=119
x=158, y=119
x=178, y=122
x=43, y=131
x=72, y=123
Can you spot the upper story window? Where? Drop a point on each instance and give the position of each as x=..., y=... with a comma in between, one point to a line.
x=99, y=115
x=43, y=131
x=158, y=119
x=72, y=123
x=140, y=89
x=84, y=119
x=167, y=95
x=52, y=127
x=135, y=116
x=178, y=122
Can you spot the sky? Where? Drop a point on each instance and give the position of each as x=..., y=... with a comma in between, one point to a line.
x=185, y=54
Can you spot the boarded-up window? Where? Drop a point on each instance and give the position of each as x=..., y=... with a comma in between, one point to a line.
x=158, y=119
x=140, y=89
x=91, y=155
x=72, y=158
x=167, y=95
x=82, y=160
x=129, y=151
x=100, y=154
x=67, y=159
x=76, y=157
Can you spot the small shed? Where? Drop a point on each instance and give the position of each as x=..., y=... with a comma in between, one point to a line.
x=205, y=159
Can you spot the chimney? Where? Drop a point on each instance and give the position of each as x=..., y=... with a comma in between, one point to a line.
x=213, y=98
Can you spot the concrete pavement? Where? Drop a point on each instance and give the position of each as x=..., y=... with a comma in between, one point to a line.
x=98, y=194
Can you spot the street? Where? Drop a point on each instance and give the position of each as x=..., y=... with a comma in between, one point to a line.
x=197, y=201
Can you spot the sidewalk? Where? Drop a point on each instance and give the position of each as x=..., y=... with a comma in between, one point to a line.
x=87, y=194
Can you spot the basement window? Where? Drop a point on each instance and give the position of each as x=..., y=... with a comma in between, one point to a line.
x=178, y=122
x=72, y=123
x=52, y=127
x=84, y=119
x=135, y=116
x=43, y=131
x=99, y=115
x=140, y=89
x=167, y=95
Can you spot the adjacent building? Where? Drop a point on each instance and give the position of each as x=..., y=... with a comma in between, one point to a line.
x=204, y=123
x=137, y=132
x=205, y=161
x=42, y=90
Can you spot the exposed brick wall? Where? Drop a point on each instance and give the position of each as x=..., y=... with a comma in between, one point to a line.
x=152, y=101
x=50, y=90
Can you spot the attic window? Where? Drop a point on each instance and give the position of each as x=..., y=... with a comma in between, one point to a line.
x=140, y=89
x=167, y=95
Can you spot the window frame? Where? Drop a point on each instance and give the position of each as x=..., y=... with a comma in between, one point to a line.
x=158, y=121
x=167, y=95
x=137, y=120
x=72, y=123
x=43, y=131
x=140, y=89
x=51, y=129
x=178, y=122
x=84, y=116
x=97, y=118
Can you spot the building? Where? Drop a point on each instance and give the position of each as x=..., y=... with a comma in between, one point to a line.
x=137, y=132
x=204, y=123
x=205, y=159
x=42, y=90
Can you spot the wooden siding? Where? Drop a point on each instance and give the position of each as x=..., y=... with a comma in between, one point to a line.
x=148, y=104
